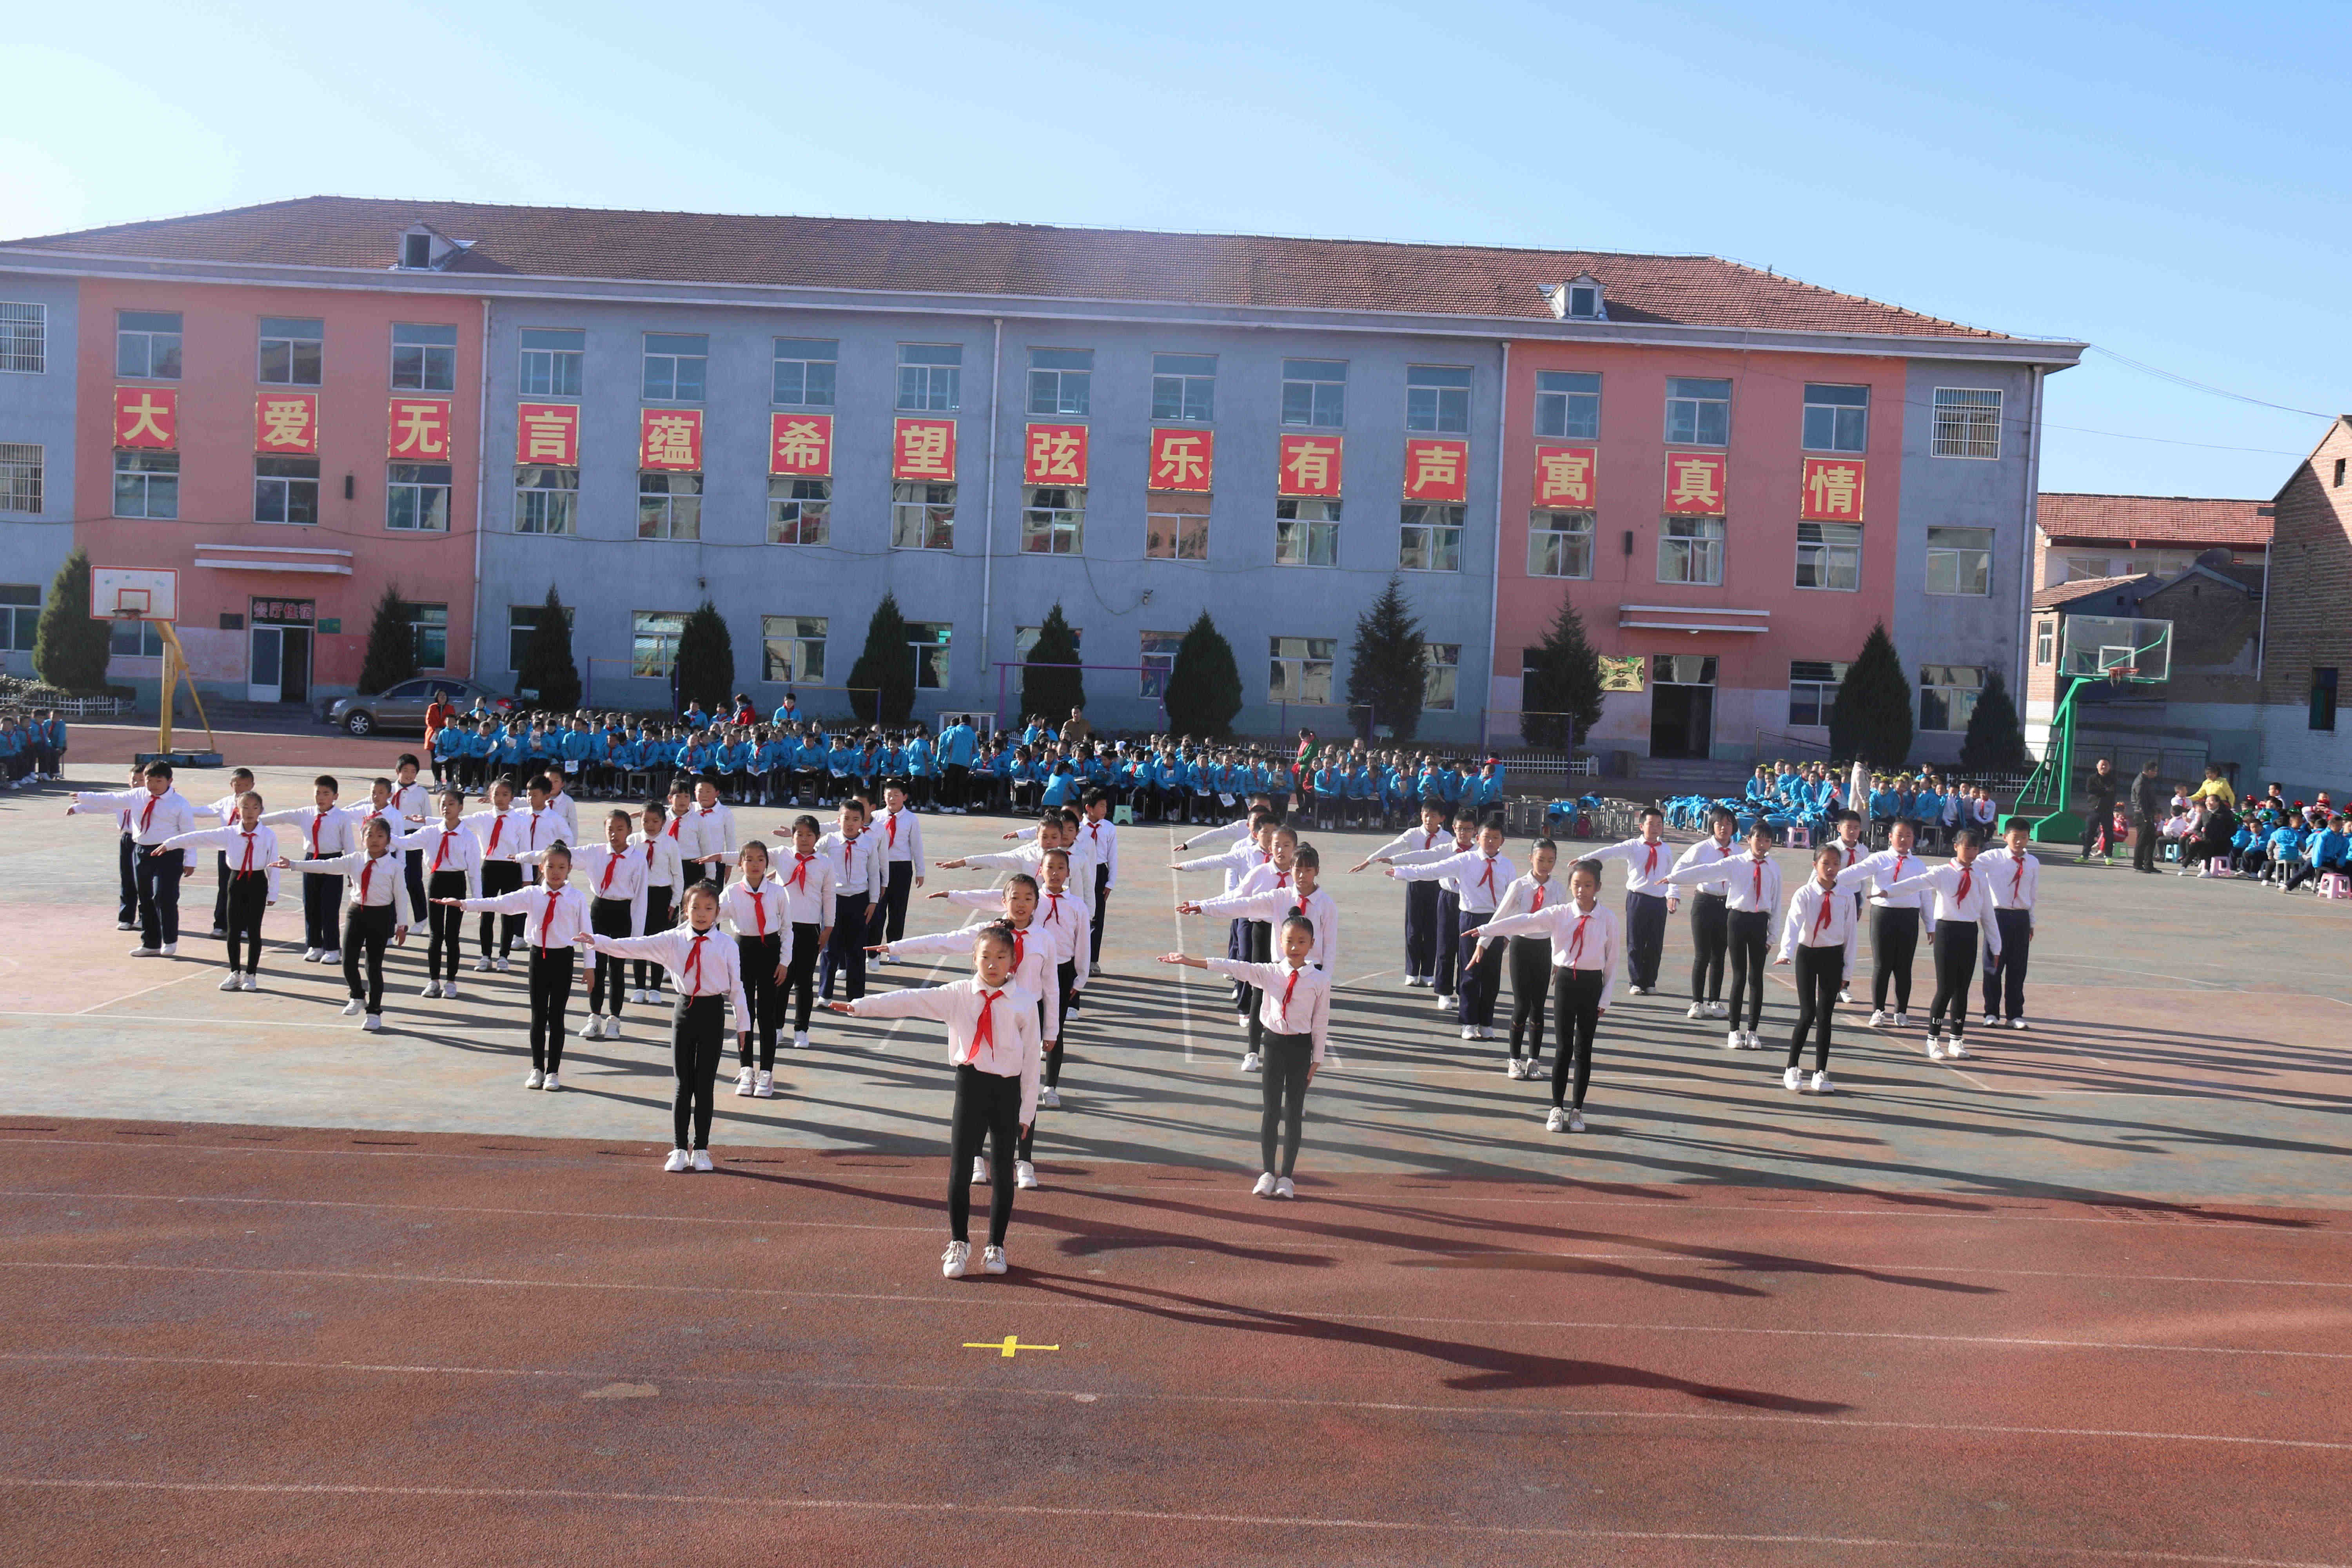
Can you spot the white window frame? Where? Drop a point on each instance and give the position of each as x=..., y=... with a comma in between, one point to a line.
x=1181, y=382
x=24, y=338
x=673, y=360
x=1802, y=677
x=419, y=481
x=20, y=617
x=420, y=624
x=1307, y=665
x=1441, y=663
x=293, y=344
x=1837, y=413
x=24, y=477
x=654, y=632
x=1315, y=387
x=1833, y=550
x=1693, y=549
x=1953, y=557
x=1559, y=404
x=1179, y=520
x=662, y=508
x=807, y=362
x=148, y=336
x=1549, y=543
x=1698, y=408
x=1157, y=654
x=802, y=508
x=549, y=510
x=932, y=652
x=929, y=386
x=563, y=372
x=1054, y=520
x=1304, y=540
x=1438, y=402
x=916, y=522
x=433, y=363
x=1958, y=698
x=1434, y=529
x=787, y=643
x=1960, y=432
x=132, y=461
x=279, y=491
x=1061, y=390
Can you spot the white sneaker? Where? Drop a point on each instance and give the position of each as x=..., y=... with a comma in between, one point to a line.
x=2017, y=1023
x=1576, y=1122
x=1484, y=1033
x=449, y=990
x=332, y=955
x=764, y=1086
x=612, y=1029
x=432, y=988
x=1991, y=1022
x=1411, y=981
x=1513, y=1069
x=1265, y=1187
x=637, y=995
x=1049, y=1098
x=994, y=1260
x=310, y=954
x=481, y=965
x=1557, y=1122
x=144, y=952
x=1878, y=1018
x=501, y=965
x=1792, y=1079
x=533, y=1078
x=1250, y=1063
x=1902, y=1020
x=593, y=1030
x=980, y=1170
x=1822, y=1084
x=702, y=1160
x=252, y=982
x=1443, y=1003
x=1735, y=1040
x=551, y=1084
x=952, y=1261
x=1935, y=1047
x=1697, y=1010
x=800, y=1040
x=235, y=982
x=1283, y=1188
x=1846, y=996
x=355, y=1007
x=1024, y=1174
x=171, y=950
x=126, y=925
x=677, y=1161
x=743, y=1082
x=1953, y=1050
x=372, y=1023
x=1468, y=1033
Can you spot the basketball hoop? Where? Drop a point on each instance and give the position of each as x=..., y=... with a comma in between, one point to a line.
x=2119, y=675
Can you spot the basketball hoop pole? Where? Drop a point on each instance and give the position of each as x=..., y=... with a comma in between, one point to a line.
x=176, y=670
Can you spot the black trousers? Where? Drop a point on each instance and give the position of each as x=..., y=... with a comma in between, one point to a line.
x=158, y=878
x=220, y=890
x=1449, y=951
x=1531, y=979
x=249, y=897
x=1102, y=910
x=987, y=1110
x=2144, y=842
x=502, y=876
x=414, y=871
x=647, y=974
x=126, y=858
x=550, y=988
x=444, y=928
x=799, y=977
x=953, y=786
x=897, y=887
x=367, y=928
x=1747, y=932
x=697, y=1033
x=1480, y=978
x=847, y=950
x=1709, y=935
x=1283, y=1085
x=1261, y=951
x=2098, y=821
x=759, y=958
x=1237, y=945
x=607, y=917
x=1421, y=929
x=1894, y=940
x=1955, y=965
x=1576, y=999
x=1645, y=937
x=1818, y=970
x=322, y=900
x=2004, y=971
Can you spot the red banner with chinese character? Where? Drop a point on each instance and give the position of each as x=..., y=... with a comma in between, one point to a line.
x=286, y=421
x=1832, y=491
x=1182, y=459
x=548, y=433
x=1437, y=471
x=923, y=449
x=146, y=416
x=1054, y=454
x=1695, y=483
x=1565, y=476
x=1310, y=466
x=669, y=438
x=801, y=444
x=420, y=428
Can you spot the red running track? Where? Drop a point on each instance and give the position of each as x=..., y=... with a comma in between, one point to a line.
x=246, y=1345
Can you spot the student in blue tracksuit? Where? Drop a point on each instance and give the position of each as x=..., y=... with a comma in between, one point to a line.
x=919, y=770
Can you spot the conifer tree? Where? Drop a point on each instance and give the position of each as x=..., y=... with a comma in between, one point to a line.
x=1204, y=687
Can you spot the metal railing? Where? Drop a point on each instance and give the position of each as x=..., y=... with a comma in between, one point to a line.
x=72, y=706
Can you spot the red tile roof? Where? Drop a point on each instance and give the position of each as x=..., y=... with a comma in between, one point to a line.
x=2188, y=520
x=2086, y=587
x=1005, y=259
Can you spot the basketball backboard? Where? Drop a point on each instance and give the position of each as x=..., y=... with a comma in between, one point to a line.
x=126, y=593
x=2118, y=647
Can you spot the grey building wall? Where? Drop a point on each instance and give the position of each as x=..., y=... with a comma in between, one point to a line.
x=1993, y=493
x=37, y=409
x=1112, y=592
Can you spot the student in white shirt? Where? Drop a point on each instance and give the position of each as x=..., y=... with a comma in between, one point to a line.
x=1480, y=875
x=248, y=854
x=452, y=860
x=1852, y=852
x=2016, y=879
x=1266, y=907
x=1963, y=898
x=1649, y=861
x=851, y=857
x=1896, y=920
x=224, y=812
x=1295, y=1002
x=901, y=832
x=126, y=851
x=1708, y=923
x=563, y=803
x=1531, y=956
x=498, y=833
x=414, y=809
x=753, y=905
x=658, y=853
x=378, y=913
x=997, y=1052
x=149, y=814
x=1421, y=936
x=707, y=834
x=1587, y=946
x=1059, y=921
x=809, y=911
x=612, y=875
x=1813, y=937
x=1257, y=849
x=1751, y=892
x=701, y=963
x=554, y=914
x=1099, y=835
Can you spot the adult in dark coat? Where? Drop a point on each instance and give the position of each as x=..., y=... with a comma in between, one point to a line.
x=2149, y=801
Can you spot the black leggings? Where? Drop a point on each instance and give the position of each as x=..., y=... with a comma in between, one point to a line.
x=500, y=877
x=1955, y=965
x=1747, y=933
x=551, y=987
x=1894, y=939
x=444, y=926
x=1576, y=1000
x=799, y=979
x=365, y=931
x=987, y=1109
x=697, y=1033
x=248, y=896
x=759, y=957
x=1288, y=1059
x=648, y=973
x=1530, y=964
x=1708, y=937
x=607, y=917
x=2004, y=972
x=1818, y=970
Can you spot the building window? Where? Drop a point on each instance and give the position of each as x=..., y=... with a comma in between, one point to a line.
x=1837, y=418
x=675, y=364
x=1024, y=641
x=1968, y=422
x=805, y=368
x=1315, y=393
x=1441, y=672
x=2322, y=699
x=1813, y=692
x=423, y=359
x=669, y=505
x=798, y=510
x=24, y=338
x=286, y=489
x=1060, y=381
x=1176, y=526
x=2045, y=639
x=521, y=621
x=1429, y=537
x=1698, y=412
x=1829, y=556
x=929, y=376
x=293, y=351
x=146, y=484
x=793, y=650
x=1948, y=695
x=1437, y=398
x=1300, y=669
x=929, y=641
x=1054, y=523
x=428, y=625
x=134, y=639
x=1567, y=405
x=1690, y=549
x=1560, y=543
x=416, y=498
x=415, y=252
x=20, y=617
x=547, y=499
x=147, y=344
x=1184, y=386
x=652, y=642
x=922, y=515
x=550, y=361
x=2339, y=474
x=1960, y=561
x=1158, y=660
x=21, y=468
x=1306, y=532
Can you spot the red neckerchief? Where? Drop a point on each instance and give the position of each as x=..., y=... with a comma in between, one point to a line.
x=441, y=850
x=1968, y=880
x=675, y=824
x=1281, y=880
x=983, y=1034
x=1650, y=866
x=1053, y=914
x=315, y=823
x=605, y=887
x=845, y=855
x=1282, y=1009
x=1822, y=921
x=1576, y=940
x=1486, y=878
x=1537, y=908
x=246, y=868
x=367, y=870
x=800, y=870
x=1756, y=880
x=759, y=907
x=2016, y=878
x=1020, y=949
x=548, y=920
x=148, y=813
x=692, y=972
x=497, y=826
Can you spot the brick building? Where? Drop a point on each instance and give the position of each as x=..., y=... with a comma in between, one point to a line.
x=2307, y=642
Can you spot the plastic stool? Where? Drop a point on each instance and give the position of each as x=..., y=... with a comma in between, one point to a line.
x=2335, y=885
x=1121, y=815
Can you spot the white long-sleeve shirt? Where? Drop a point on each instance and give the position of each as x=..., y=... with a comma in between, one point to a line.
x=1528, y=893
x=1030, y=861
x=226, y=808
x=1061, y=919
x=901, y=832
x=1279, y=905
x=1290, y=1001
x=372, y=881
x=1581, y=938
x=1697, y=857
x=754, y=912
x=551, y=919
x=328, y=832
x=498, y=832
x=1231, y=833
x=1746, y=883
x=658, y=855
x=808, y=891
x=1961, y=893
x=1014, y=1048
x=1818, y=917
x=1235, y=863
x=255, y=851
x=446, y=850
x=1883, y=871
x=1647, y=866
x=1034, y=959
x=1480, y=878
x=602, y=872
x=1100, y=841
x=713, y=971
x=1415, y=841
x=567, y=806
x=711, y=830
x=412, y=803
x=2016, y=879
x=148, y=817
x=854, y=863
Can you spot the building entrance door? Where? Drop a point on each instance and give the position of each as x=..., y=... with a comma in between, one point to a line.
x=1681, y=705
x=279, y=670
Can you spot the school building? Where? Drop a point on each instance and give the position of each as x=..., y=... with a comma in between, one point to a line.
x=1731, y=474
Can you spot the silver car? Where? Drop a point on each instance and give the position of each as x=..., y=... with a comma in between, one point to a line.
x=401, y=706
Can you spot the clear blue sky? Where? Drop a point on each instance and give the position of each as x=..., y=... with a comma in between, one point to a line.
x=2165, y=181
